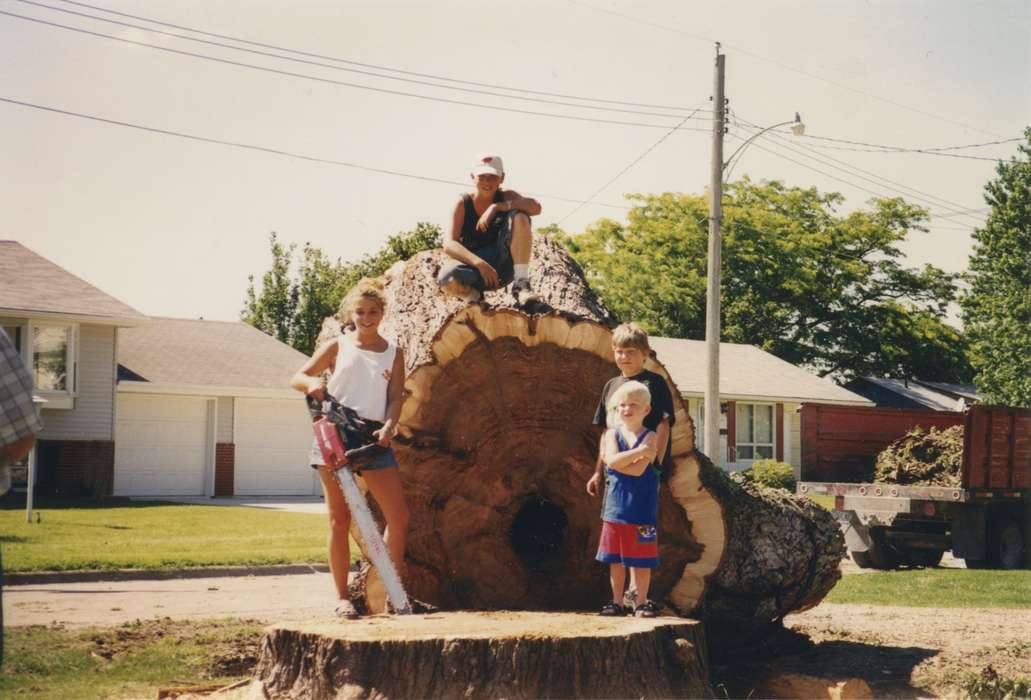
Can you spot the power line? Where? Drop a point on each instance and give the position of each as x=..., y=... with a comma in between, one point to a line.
x=938, y=151
x=331, y=81
x=371, y=65
x=634, y=162
x=842, y=86
x=954, y=208
x=274, y=151
x=344, y=68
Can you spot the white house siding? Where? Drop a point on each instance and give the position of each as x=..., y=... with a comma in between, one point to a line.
x=93, y=417
x=793, y=441
x=225, y=419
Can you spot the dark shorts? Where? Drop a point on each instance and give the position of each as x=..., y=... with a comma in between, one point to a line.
x=636, y=546
x=497, y=255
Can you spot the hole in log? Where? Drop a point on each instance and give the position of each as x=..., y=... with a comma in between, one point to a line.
x=537, y=533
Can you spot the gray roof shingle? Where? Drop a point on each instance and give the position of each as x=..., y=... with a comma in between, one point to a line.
x=30, y=284
x=213, y=353
x=747, y=371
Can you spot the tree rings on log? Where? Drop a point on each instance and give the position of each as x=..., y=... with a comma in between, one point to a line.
x=502, y=654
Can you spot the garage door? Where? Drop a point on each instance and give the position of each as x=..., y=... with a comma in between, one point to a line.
x=161, y=445
x=273, y=438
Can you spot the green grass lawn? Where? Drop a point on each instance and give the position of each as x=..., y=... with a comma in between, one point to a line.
x=129, y=661
x=936, y=588
x=157, y=535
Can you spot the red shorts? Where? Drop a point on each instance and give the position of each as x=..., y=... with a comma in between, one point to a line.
x=629, y=545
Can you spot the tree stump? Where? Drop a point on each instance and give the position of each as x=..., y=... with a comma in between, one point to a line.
x=496, y=447
x=486, y=655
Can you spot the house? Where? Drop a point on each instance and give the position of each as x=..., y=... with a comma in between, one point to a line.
x=66, y=330
x=139, y=406
x=915, y=393
x=760, y=395
x=205, y=408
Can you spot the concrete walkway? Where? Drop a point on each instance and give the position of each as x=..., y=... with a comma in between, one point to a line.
x=291, y=504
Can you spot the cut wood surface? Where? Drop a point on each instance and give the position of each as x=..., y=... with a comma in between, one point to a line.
x=497, y=445
x=500, y=654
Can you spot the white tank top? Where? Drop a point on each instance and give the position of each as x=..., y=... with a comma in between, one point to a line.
x=360, y=378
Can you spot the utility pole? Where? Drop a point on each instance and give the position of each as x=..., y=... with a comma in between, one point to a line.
x=712, y=290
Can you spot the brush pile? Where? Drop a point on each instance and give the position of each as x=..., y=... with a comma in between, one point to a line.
x=923, y=457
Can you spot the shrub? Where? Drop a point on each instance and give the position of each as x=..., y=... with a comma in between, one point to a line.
x=771, y=473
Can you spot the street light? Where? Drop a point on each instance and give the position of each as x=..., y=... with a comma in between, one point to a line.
x=712, y=289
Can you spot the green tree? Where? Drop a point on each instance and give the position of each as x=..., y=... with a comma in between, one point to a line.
x=814, y=287
x=292, y=305
x=997, y=307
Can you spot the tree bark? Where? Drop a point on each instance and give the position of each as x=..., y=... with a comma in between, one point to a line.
x=486, y=655
x=496, y=447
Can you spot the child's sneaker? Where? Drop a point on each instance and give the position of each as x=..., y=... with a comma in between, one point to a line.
x=612, y=609
x=461, y=290
x=646, y=609
x=523, y=294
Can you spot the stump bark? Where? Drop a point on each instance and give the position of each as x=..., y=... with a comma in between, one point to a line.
x=496, y=447
x=486, y=655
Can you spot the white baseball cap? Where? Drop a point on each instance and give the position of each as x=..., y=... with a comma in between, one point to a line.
x=488, y=164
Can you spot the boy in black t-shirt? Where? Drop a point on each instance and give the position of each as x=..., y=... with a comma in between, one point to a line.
x=631, y=349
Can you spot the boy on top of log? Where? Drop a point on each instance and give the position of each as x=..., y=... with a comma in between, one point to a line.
x=629, y=535
x=630, y=348
x=490, y=238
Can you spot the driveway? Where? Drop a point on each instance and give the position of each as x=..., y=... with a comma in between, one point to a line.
x=292, y=598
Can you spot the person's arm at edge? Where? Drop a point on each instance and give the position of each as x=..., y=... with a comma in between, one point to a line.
x=513, y=201
x=599, y=467
x=308, y=379
x=395, y=399
x=662, y=432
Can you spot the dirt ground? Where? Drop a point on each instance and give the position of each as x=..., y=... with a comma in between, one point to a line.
x=900, y=652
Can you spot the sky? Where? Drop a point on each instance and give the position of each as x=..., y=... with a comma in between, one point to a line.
x=173, y=226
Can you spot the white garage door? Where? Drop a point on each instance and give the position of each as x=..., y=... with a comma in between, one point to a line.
x=161, y=445
x=273, y=438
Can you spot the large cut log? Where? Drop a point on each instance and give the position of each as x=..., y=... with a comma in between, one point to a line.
x=497, y=445
x=486, y=655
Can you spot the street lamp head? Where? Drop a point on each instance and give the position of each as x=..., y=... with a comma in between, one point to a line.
x=797, y=127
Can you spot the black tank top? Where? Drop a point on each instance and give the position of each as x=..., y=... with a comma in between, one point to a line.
x=473, y=239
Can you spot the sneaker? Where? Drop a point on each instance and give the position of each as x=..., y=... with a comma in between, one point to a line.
x=461, y=290
x=523, y=294
x=646, y=609
x=345, y=610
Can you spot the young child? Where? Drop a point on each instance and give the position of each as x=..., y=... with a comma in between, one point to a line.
x=628, y=534
x=630, y=348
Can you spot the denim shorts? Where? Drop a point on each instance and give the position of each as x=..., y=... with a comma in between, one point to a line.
x=384, y=460
x=498, y=256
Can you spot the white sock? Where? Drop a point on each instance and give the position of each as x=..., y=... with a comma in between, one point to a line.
x=522, y=272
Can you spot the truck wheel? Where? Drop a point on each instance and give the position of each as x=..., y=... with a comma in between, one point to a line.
x=925, y=557
x=882, y=555
x=1007, y=548
x=862, y=559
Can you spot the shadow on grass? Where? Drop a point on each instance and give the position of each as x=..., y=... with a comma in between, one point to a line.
x=888, y=670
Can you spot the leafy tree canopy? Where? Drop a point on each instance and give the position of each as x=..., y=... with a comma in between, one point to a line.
x=292, y=305
x=997, y=307
x=814, y=287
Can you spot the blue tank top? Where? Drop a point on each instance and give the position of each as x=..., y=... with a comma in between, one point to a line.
x=632, y=500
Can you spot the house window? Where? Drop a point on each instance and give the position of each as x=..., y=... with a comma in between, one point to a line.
x=53, y=358
x=754, y=431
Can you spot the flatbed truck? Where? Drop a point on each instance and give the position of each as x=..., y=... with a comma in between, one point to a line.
x=985, y=520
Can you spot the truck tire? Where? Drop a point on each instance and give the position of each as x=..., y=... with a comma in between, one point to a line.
x=882, y=555
x=1007, y=547
x=925, y=557
x=862, y=559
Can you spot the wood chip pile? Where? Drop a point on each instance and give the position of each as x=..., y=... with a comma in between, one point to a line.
x=923, y=457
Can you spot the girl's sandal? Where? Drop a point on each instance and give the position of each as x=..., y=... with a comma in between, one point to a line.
x=612, y=609
x=345, y=610
x=646, y=609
